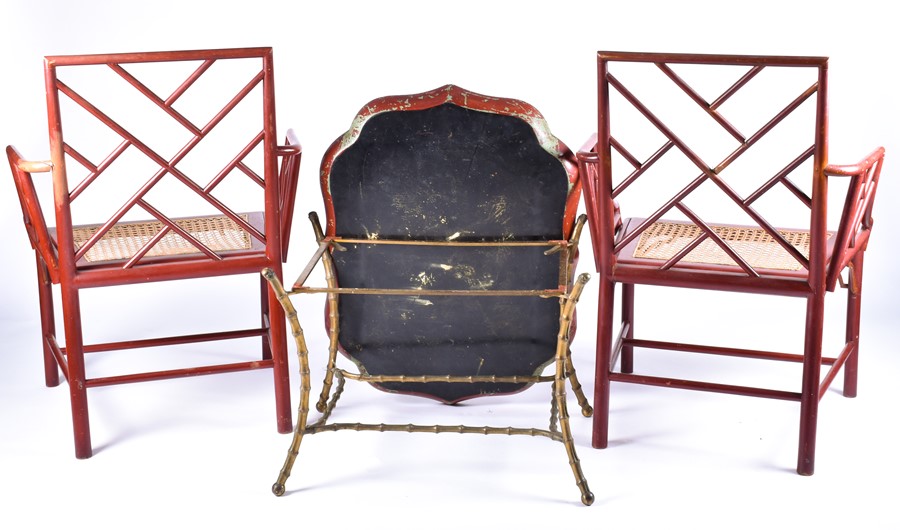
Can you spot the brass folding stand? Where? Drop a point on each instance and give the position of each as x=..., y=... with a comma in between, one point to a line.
x=441, y=283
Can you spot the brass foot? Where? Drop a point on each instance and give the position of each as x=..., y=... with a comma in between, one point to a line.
x=587, y=498
x=278, y=489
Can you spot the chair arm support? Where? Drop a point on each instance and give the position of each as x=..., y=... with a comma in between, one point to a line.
x=289, y=173
x=35, y=224
x=856, y=218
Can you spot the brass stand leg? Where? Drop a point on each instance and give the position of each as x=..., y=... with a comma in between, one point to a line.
x=333, y=315
x=334, y=326
x=562, y=360
x=586, y=409
x=303, y=356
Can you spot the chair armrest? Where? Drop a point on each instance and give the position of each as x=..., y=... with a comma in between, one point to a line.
x=834, y=170
x=856, y=217
x=291, y=146
x=35, y=224
x=590, y=146
x=289, y=173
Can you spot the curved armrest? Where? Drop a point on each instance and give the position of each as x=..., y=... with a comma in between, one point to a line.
x=856, y=218
x=291, y=145
x=35, y=224
x=602, y=234
x=834, y=170
x=289, y=173
x=590, y=146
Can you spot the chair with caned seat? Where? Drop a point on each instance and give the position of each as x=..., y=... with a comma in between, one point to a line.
x=169, y=170
x=726, y=159
x=448, y=252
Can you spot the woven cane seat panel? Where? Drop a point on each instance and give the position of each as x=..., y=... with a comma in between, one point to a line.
x=665, y=239
x=123, y=240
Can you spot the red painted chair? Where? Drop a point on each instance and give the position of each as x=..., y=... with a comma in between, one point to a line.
x=169, y=170
x=734, y=198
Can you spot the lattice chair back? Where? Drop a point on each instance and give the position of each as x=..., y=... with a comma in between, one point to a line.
x=746, y=147
x=161, y=138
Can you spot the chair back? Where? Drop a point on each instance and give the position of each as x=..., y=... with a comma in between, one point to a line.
x=741, y=140
x=164, y=156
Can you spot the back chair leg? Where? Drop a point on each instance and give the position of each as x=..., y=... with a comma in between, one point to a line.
x=265, y=318
x=809, y=394
x=600, y=434
x=628, y=320
x=854, y=303
x=48, y=323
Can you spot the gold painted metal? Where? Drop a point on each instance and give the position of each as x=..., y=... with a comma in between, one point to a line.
x=559, y=428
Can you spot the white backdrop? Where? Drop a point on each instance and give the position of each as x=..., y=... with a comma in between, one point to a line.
x=188, y=451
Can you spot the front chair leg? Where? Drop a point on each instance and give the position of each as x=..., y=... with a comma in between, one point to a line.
x=854, y=305
x=48, y=322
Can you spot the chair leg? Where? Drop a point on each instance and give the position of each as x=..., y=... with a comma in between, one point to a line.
x=265, y=318
x=48, y=323
x=600, y=428
x=809, y=394
x=71, y=307
x=854, y=304
x=628, y=320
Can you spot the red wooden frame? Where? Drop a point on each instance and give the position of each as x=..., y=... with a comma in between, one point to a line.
x=60, y=262
x=819, y=272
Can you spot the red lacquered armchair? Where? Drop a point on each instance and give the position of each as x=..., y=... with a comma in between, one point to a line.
x=734, y=198
x=169, y=170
